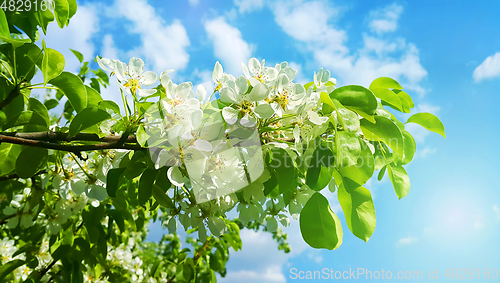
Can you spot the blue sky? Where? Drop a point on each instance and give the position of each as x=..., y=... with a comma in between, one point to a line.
x=446, y=55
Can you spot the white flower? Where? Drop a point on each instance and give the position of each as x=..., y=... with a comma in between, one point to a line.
x=244, y=105
x=219, y=77
x=132, y=76
x=287, y=96
x=259, y=72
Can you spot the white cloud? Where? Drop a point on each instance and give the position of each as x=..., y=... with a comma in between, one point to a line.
x=490, y=68
x=496, y=210
x=109, y=49
x=194, y=2
x=426, y=151
x=407, y=240
x=229, y=45
x=385, y=19
x=249, y=5
x=162, y=46
x=84, y=24
x=310, y=23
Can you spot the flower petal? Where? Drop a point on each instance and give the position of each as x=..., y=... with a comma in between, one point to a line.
x=254, y=66
x=175, y=176
x=259, y=92
x=315, y=118
x=148, y=78
x=230, y=115
x=120, y=70
x=248, y=121
x=135, y=67
x=201, y=92
x=217, y=73
x=265, y=111
x=228, y=95
x=241, y=85
x=145, y=92
x=106, y=64
x=165, y=78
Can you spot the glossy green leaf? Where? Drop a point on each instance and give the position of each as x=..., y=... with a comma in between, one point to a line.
x=36, y=106
x=319, y=226
x=86, y=119
x=356, y=97
x=410, y=147
x=388, y=96
x=111, y=105
x=78, y=55
x=428, y=121
x=385, y=82
x=52, y=64
x=5, y=32
x=284, y=167
x=320, y=170
x=26, y=118
x=357, y=204
x=30, y=160
x=146, y=185
x=9, y=153
x=93, y=97
x=61, y=12
x=347, y=148
x=73, y=88
x=113, y=180
x=9, y=267
x=161, y=197
x=399, y=179
x=72, y=8
x=384, y=130
x=51, y=103
x=363, y=170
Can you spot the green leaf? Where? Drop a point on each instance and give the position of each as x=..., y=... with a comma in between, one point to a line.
x=78, y=55
x=43, y=16
x=76, y=273
x=9, y=153
x=284, y=167
x=52, y=64
x=5, y=32
x=319, y=226
x=399, y=179
x=51, y=103
x=30, y=160
x=356, y=97
x=385, y=82
x=320, y=170
x=410, y=147
x=347, y=148
x=146, y=185
x=357, y=204
x=9, y=267
x=36, y=106
x=384, y=130
x=162, y=198
x=113, y=180
x=428, y=121
x=388, y=96
x=61, y=12
x=115, y=214
x=111, y=105
x=86, y=119
x=363, y=170
x=73, y=88
x=102, y=75
x=93, y=97
x=26, y=118
x=72, y=8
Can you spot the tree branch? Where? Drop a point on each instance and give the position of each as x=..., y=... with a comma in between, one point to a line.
x=67, y=147
x=14, y=176
x=58, y=137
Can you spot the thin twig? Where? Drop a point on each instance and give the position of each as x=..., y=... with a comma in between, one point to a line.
x=50, y=136
x=67, y=147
